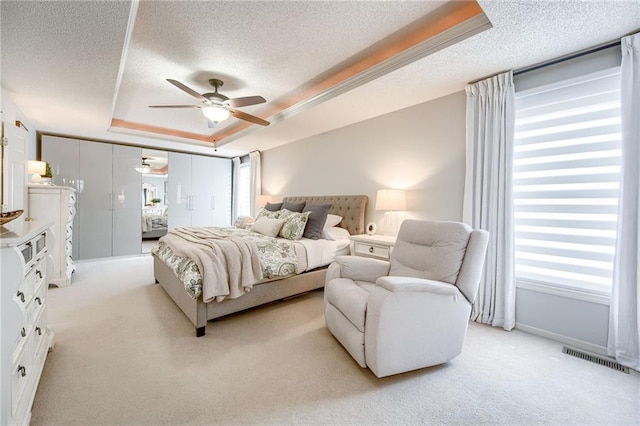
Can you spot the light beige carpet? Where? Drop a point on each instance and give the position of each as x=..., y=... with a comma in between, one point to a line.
x=126, y=355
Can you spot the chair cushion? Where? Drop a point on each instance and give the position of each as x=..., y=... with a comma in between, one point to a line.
x=430, y=249
x=349, y=298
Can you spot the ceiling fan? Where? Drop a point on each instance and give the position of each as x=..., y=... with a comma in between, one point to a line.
x=216, y=107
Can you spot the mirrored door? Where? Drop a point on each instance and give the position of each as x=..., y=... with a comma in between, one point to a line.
x=154, y=168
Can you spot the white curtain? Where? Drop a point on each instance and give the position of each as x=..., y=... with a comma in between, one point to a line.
x=624, y=313
x=488, y=193
x=235, y=179
x=254, y=176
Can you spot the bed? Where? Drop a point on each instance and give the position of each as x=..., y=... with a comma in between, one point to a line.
x=154, y=223
x=352, y=210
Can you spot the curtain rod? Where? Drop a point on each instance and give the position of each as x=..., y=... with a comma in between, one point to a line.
x=568, y=57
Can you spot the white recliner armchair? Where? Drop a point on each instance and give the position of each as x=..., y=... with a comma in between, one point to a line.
x=413, y=311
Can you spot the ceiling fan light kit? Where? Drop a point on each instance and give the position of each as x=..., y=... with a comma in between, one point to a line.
x=217, y=107
x=215, y=113
x=144, y=167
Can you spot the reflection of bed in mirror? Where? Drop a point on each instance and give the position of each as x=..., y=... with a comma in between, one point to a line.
x=154, y=222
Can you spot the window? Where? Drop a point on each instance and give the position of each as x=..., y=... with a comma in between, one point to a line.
x=244, y=190
x=566, y=174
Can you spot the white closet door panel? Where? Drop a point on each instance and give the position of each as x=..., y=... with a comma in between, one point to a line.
x=95, y=201
x=127, y=201
x=179, y=190
x=63, y=154
x=222, y=191
x=202, y=191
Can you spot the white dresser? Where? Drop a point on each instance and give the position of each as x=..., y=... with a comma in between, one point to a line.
x=56, y=204
x=26, y=338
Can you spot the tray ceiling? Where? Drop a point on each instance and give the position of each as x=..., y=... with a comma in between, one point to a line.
x=90, y=69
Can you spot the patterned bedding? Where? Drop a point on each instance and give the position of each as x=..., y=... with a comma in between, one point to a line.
x=152, y=222
x=279, y=258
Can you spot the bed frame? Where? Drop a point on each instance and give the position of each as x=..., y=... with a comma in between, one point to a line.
x=350, y=207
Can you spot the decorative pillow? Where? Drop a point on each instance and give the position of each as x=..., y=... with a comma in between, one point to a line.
x=298, y=208
x=335, y=233
x=273, y=207
x=316, y=221
x=294, y=224
x=267, y=226
x=332, y=220
x=269, y=214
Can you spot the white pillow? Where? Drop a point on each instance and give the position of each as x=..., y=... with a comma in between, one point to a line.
x=267, y=226
x=336, y=233
x=332, y=220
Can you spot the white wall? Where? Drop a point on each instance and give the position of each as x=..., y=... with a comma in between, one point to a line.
x=420, y=149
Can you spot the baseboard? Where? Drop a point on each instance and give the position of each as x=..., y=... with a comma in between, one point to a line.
x=576, y=343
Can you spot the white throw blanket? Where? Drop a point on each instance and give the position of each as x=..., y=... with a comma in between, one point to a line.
x=229, y=265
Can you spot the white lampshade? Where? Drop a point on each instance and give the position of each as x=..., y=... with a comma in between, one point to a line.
x=36, y=167
x=391, y=199
x=216, y=114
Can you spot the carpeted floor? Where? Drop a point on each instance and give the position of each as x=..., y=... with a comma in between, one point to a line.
x=126, y=355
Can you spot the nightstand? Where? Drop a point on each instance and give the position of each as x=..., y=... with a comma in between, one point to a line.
x=376, y=246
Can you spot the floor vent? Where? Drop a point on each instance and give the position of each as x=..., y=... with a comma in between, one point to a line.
x=594, y=358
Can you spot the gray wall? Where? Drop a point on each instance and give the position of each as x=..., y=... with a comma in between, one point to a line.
x=421, y=149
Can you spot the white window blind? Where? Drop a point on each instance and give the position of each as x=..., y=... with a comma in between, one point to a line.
x=566, y=176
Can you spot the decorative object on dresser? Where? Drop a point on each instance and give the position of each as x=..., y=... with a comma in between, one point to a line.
x=9, y=216
x=378, y=246
x=37, y=169
x=56, y=204
x=26, y=339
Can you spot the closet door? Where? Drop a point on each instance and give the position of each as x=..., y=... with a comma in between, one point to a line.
x=202, y=191
x=14, y=167
x=127, y=201
x=222, y=191
x=63, y=154
x=179, y=190
x=95, y=201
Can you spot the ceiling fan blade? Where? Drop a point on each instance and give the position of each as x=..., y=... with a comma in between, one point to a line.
x=245, y=101
x=188, y=90
x=248, y=117
x=175, y=106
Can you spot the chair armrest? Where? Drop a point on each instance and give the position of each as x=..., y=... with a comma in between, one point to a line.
x=362, y=268
x=409, y=284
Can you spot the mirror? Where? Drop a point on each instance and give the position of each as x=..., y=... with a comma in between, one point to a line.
x=154, y=197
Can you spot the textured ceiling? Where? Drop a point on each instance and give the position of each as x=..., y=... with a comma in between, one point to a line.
x=71, y=67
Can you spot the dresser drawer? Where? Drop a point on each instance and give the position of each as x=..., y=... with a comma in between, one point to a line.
x=21, y=372
x=373, y=250
x=26, y=289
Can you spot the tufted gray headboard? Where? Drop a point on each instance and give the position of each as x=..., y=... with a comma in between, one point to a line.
x=351, y=207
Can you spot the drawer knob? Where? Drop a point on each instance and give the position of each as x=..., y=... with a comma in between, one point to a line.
x=20, y=295
x=39, y=331
x=23, y=332
x=38, y=273
x=371, y=249
x=39, y=301
x=22, y=370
